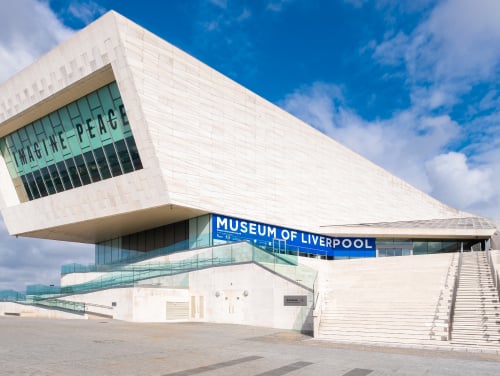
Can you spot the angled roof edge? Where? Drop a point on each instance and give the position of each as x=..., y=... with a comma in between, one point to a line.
x=461, y=227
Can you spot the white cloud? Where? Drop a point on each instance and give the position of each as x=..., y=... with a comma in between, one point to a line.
x=391, y=50
x=316, y=105
x=28, y=28
x=85, y=11
x=459, y=40
x=489, y=160
x=245, y=14
x=454, y=181
x=453, y=49
x=413, y=144
x=224, y=17
x=277, y=5
x=400, y=144
x=450, y=52
x=490, y=100
x=219, y=3
x=405, y=6
x=356, y=3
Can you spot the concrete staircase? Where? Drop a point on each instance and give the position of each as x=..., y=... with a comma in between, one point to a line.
x=476, y=320
x=393, y=300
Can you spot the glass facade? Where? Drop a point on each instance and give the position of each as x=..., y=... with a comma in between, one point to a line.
x=405, y=247
x=189, y=234
x=87, y=141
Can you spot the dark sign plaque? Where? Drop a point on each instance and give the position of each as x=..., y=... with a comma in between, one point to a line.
x=295, y=300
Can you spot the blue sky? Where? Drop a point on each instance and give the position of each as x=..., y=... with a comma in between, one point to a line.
x=412, y=85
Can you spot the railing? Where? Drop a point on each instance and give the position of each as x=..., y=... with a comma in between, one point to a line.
x=444, y=293
x=98, y=306
x=316, y=292
x=285, y=265
x=43, y=290
x=183, y=245
x=492, y=267
x=498, y=282
x=454, y=295
x=317, y=306
x=76, y=307
x=131, y=275
x=494, y=272
x=126, y=275
x=11, y=296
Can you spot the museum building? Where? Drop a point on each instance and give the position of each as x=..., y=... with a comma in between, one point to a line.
x=119, y=139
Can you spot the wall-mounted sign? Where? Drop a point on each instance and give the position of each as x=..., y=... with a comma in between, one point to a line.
x=280, y=238
x=295, y=300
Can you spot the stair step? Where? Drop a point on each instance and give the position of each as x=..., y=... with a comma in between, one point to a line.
x=388, y=341
x=475, y=339
x=469, y=343
x=484, y=297
x=385, y=307
x=466, y=327
x=477, y=306
x=381, y=337
x=381, y=324
x=383, y=317
x=477, y=335
x=387, y=330
x=357, y=309
x=479, y=328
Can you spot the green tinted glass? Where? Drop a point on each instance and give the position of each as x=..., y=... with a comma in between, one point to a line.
x=93, y=121
x=81, y=143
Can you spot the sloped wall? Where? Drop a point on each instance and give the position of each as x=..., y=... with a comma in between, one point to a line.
x=226, y=150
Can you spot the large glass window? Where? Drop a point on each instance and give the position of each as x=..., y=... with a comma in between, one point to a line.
x=403, y=247
x=82, y=143
x=56, y=178
x=102, y=163
x=188, y=234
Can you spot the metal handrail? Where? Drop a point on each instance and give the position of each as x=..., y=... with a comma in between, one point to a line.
x=494, y=272
x=129, y=275
x=316, y=309
x=454, y=296
x=97, y=306
x=315, y=291
x=498, y=283
x=490, y=264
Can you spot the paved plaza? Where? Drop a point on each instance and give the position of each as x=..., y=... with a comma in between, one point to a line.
x=30, y=346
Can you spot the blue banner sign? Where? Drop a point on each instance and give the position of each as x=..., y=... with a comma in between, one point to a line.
x=280, y=238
